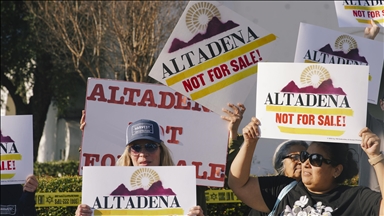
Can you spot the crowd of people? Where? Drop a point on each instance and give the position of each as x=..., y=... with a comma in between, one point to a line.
x=308, y=178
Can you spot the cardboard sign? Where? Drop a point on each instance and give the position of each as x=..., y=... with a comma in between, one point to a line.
x=320, y=45
x=151, y=190
x=313, y=102
x=212, y=55
x=194, y=134
x=359, y=13
x=16, y=149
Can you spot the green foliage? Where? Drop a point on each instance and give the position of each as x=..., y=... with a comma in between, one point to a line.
x=238, y=209
x=16, y=48
x=57, y=168
x=63, y=184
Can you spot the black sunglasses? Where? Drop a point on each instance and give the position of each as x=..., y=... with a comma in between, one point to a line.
x=294, y=157
x=149, y=147
x=314, y=159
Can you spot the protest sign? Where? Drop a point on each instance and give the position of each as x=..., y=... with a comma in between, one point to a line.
x=194, y=134
x=212, y=55
x=151, y=190
x=359, y=13
x=313, y=102
x=320, y=45
x=16, y=149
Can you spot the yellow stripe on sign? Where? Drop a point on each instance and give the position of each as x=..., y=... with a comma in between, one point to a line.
x=7, y=176
x=310, y=61
x=224, y=83
x=220, y=59
x=307, y=110
x=368, y=8
x=369, y=21
x=11, y=157
x=310, y=131
x=173, y=211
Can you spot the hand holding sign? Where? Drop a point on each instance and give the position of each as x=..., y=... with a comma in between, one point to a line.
x=372, y=31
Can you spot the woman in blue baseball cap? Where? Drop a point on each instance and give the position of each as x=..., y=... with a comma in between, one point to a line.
x=144, y=147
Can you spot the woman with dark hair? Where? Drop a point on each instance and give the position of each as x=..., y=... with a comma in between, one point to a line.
x=324, y=167
x=286, y=159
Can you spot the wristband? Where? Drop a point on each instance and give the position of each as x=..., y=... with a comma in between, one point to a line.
x=377, y=159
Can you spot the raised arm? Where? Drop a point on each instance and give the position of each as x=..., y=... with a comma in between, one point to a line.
x=234, y=118
x=27, y=199
x=372, y=31
x=245, y=187
x=370, y=143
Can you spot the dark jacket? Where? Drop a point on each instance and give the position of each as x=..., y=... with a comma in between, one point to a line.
x=15, y=201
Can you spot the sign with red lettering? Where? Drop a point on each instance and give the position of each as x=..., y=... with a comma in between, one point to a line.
x=359, y=13
x=313, y=102
x=320, y=45
x=212, y=55
x=194, y=134
x=16, y=150
x=139, y=190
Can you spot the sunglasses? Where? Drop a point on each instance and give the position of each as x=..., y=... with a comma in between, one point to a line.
x=314, y=159
x=293, y=157
x=149, y=147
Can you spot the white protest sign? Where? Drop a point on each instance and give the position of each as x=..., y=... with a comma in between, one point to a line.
x=320, y=45
x=359, y=13
x=194, y=134
x=16, y=149
x=212, y=55
x=313, y=102
x=151, y=190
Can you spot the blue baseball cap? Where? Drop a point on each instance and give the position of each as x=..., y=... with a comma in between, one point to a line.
x=143, y=129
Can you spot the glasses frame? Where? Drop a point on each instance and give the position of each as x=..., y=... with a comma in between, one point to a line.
x=146, y=147
x=293, y=157
x=304, y=156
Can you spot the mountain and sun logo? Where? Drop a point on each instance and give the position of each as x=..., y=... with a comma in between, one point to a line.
x=318, y=100
x=146, y=197
x=202, y=16
x=345, y=51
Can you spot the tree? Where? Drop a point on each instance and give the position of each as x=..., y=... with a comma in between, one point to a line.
x=16, y=52
x=109, y=39
x=141, y=29
x=52, y=43
x=24, y=61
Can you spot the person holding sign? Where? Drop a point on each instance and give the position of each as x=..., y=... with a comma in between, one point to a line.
x=18, y=199
x=286, y=159
x=367, y=174
x=144, y=148
x=324, y=167
x=286, y=162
